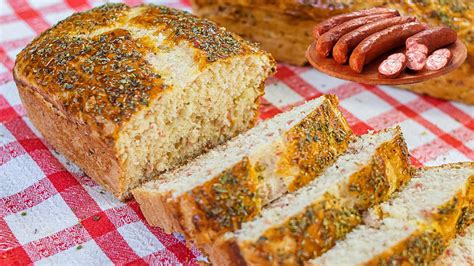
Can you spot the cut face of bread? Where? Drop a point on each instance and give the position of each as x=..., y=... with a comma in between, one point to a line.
x=227, y=186
x=460, y=251
x=417, y=224
x=127, y=93
x=306, y=223
x=438, y=194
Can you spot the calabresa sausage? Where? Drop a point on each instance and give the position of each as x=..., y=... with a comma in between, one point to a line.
x=432, y=39
x=346, y=43
x=326, y=41
x=438, y=59
x=393, y=65
x=332, y=22
x=421, y=44
x=382, y=42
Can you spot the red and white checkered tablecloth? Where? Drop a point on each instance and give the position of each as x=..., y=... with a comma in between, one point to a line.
x=51, y=213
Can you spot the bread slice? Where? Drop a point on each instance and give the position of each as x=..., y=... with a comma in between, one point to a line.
x=414, y=227
x=129, y=92
x=460, y=251
x=304, y=224
x=221, y=189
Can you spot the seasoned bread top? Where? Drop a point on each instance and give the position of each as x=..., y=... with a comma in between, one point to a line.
x=101, y=66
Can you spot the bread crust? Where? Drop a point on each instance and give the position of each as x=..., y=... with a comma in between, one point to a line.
x=59, y=62
x=78, y=142
x=158, y=210
x=98, y=72
x=400, y=235
x=287, y=44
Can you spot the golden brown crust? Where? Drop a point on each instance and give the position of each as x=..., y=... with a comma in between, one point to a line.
x=76, y=141
x=456, y=86
x=315, y=143
x=60, y=69
x=419, y=248
x=231, y=256
x=98, y=69
x=61, y=61
x=221, y=204
x=429, y=241
x=158, y=211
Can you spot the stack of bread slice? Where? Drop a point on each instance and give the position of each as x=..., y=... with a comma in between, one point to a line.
x=302, y=189
x=414, y=227
x=303, y=224
x=229, y=185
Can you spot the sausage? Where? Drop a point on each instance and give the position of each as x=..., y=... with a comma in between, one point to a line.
x=393, y=65
x=438, y=59
x=382, y=42
x=326, y=41
x=332, y=22
x=416, y=60
x=432, y=39
x=421, y=44
x=350, y=40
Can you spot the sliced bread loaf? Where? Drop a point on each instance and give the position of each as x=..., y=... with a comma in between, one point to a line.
x=221, y=189
x=460, y=251
x=414, y=227
x=129, y=92
x=304, y=224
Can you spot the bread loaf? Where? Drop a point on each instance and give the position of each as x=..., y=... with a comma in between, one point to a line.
x=284, y=27
x=302, y=225
x=229, y=185
x=415, y=227
x=127, y=93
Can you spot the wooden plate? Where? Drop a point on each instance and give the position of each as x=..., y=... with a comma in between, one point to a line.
x=370, y=74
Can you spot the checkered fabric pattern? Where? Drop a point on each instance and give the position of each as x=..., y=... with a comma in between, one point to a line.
x=51, y=213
